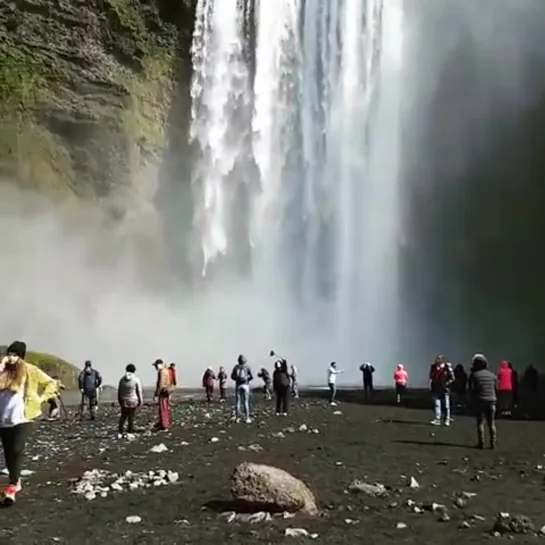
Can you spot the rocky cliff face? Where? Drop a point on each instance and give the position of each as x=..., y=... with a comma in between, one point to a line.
x=86, y=89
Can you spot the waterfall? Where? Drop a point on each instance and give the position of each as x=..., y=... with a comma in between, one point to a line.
x=219, y=85
x=326, y=123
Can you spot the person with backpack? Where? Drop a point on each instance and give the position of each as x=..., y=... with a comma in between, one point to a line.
x=441, y=378
x=242, y=376
x=163, y=389
x=483, y=386
x=129, y=397
x=281, y=387
x=89, y=381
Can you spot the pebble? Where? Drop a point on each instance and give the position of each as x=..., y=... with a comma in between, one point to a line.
x=401, y=526
x=133, y=519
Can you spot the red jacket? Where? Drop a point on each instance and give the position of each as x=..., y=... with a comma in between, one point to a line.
x=505, y=377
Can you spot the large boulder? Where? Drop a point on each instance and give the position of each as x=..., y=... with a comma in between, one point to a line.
x=268, y=488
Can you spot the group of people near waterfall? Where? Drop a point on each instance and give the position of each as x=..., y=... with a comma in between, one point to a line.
x=24, y=387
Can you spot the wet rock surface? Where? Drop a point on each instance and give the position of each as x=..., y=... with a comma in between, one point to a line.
x=174, y=487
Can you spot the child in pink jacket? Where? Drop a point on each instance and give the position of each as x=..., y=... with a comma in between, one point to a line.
x=401, y=378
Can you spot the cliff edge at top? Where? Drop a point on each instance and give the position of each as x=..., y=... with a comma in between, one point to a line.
x=85, y=90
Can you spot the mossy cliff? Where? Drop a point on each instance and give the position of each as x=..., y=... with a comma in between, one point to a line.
x=85, y=90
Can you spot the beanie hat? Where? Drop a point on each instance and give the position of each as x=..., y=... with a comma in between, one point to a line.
x=18, y=348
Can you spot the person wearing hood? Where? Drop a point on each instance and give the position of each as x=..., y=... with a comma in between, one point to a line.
x=23, y=389
x=265, y=376
x=332, y=373
x=222, y=379
x=242, y=376
x=163, y=389
x=401, y=379
x=129, y=397
x=89, y=381
x=208, y=381
x=482, y=390
x=441, y=378
x=367, y=371
x=281, y=387
x=505, y=389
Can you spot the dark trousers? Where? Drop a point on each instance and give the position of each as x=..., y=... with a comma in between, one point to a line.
x=127, y=415
x=91, y=398
x=13, y=443
x=367, y=390
x=282, y=399
x=209, y=393
x=332, y=392
x=485, y=411
x=505, y=401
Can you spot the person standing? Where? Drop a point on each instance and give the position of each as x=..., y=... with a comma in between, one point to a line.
x=332, y=373
x=367, y=371
x=129, y=397
x=505, y=389
x=459, y=386
x=281, y=387
x=208, y=380
x=482, y=390
x=54, y=401
x=172, y=372
x=265, y=376
x=294, y=376
x=401, y=379
x=441, y=378
x=163, y=389
x=242, y=376
x=89, y=382
x=20, y=404
x=222, y=379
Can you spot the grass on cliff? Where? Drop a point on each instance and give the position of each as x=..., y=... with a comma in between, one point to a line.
x=53, y=366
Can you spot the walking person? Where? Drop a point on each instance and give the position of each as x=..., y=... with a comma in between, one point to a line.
x=482, y=389
x=441, y=378
x=163, y=389
x=281, y=387
x=242, y=376
x=129, y=397
x=23, y=389
x=367, y=371
x=222, y=379
x=505, y=389
x=208, y=381
x=332, y=373
x=89, y=381
x=401, y=379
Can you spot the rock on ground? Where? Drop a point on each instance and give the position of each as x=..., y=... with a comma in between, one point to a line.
x=263, y=485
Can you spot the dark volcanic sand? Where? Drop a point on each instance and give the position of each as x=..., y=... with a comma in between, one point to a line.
x=383, y=444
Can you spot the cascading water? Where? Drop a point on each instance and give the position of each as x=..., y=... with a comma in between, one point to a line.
x=326, y=128
x=220, y=83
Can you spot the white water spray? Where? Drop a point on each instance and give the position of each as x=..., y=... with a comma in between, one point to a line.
x=220, y=83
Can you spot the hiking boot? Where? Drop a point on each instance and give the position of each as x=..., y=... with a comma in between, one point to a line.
x=435, y=422
x=11, y=493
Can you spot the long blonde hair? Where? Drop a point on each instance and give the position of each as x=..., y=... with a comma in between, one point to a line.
x=13, y=376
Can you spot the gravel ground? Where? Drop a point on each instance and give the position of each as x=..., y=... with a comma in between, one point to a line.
x=328, y=450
